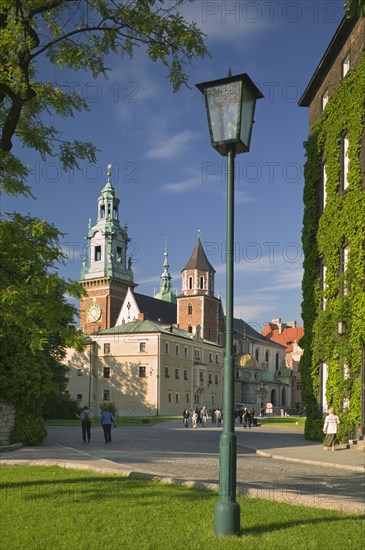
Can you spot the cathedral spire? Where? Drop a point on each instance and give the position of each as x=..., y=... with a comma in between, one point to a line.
x=165, y=292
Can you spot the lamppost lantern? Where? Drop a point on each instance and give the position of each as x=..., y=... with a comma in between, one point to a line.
x=230, y=103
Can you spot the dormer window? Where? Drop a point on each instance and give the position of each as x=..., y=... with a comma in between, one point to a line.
x=346, y=65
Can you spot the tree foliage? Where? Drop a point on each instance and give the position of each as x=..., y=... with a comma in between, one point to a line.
x=36, y=321
x=355, y=8
x=78, y=35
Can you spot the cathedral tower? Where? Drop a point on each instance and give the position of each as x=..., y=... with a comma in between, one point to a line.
x=106, y=273
x=198, y=310
x=165, y=292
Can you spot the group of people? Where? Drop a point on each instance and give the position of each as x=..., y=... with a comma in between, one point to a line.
x=245, y=417
x=107, y=420
x=198, y=416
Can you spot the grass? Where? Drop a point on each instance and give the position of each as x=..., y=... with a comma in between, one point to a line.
x=51, y=507
x=283, y=421
x=134, y=421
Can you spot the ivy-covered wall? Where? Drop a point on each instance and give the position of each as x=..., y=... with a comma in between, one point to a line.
x=342, y=222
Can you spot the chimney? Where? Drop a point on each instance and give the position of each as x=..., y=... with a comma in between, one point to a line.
x=141, y=316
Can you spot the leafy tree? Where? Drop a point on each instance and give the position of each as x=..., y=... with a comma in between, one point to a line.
x=79, y=35
x=36, y=321
x=355, y=8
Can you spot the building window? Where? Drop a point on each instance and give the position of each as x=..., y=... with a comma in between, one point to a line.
x=217, y=358
x=216, y=379
x=169, y=397
x=106, y=395
x=267, y=357
x=201, y=282
x=346, y=65
x=185, y=374
x=97, y=253
x=188, y=397
x=210, y=380
x=106, y=372
x=277, y=361
x=142, y=347
x=102, y=212
x=185, y=352
x=190, y=283
x=210, y=357
x=80, y=372
x=190, y=309
x=177, y=398
x=344, y=260
x=197, y=354
x=166, y=347
x=106, y=348
x=190, y=328
x=177, y=351
x=142, y=371
x=324, y=100
x=324, y=187
x=196, y=399
x=257, y=354
x=119, y=255
x=344, y=161
x=213, y=399
x=79, y=397
x=167, y=372
x=201, y=376
x=322, y=276
x=176, y=374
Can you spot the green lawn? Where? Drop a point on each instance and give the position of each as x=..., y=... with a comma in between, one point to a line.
x=283, y=421
x=46, y=508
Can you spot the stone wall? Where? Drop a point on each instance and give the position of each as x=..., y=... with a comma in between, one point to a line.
x=7, y=420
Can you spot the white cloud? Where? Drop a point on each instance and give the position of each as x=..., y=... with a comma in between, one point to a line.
x=173, y=146
x=181, y=186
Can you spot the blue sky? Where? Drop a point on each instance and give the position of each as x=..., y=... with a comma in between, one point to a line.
x=170, y=181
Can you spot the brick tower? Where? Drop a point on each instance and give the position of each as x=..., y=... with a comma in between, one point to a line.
x=106, y=274
x=197, y=307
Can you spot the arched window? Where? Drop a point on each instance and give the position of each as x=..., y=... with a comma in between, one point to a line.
x=102, y=211
x=283, y=397
x=190, y=283
x=273, y=397
x=190, y=309
x=190, y=328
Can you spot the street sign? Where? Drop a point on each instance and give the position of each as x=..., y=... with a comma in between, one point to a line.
x=269, y=408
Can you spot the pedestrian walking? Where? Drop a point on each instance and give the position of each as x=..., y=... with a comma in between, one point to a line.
x=186, y=415
x=86, y=420
x=107, y=419
x=218, y=416
x=194, y=419
x=204, y=416
x=330, y=427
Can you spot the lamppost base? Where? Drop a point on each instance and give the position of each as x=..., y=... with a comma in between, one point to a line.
x=227, y=519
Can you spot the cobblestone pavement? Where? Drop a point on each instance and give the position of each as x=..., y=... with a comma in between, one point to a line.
x=304, y=474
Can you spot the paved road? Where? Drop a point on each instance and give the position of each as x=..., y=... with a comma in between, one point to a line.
x=170, y=450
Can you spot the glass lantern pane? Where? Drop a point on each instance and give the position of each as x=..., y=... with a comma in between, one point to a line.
x=223, y=107
x=247, y=113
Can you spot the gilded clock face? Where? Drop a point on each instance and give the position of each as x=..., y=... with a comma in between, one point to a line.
x=93, y=313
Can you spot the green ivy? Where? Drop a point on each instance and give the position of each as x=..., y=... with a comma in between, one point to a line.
x=342, y=221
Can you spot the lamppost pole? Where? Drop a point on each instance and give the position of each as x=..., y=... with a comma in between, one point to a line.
x=230, y=104
x=227, y=510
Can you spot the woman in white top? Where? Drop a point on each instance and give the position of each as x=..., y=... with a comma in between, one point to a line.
x=330, y=427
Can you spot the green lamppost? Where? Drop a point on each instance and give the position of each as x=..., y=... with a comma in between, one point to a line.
x=230, y=104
